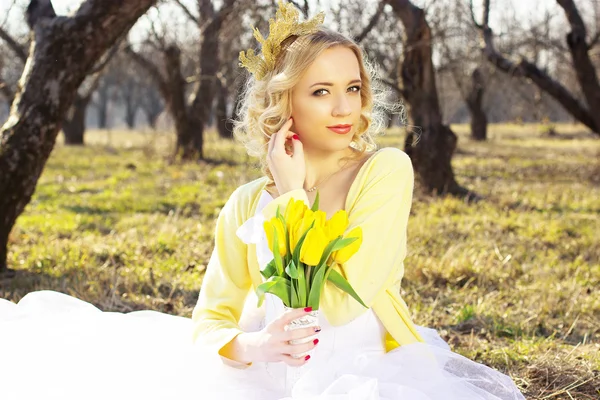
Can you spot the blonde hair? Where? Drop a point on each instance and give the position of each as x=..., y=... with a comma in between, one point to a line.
x=266, y=104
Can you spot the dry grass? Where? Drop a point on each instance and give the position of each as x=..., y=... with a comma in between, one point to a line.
x=510, y=281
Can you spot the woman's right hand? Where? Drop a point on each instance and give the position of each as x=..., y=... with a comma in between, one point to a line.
x=271, y=344
x=288, y=170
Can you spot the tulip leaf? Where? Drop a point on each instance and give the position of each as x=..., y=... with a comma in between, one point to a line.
x=301, y=285
x=295, y=298
x=276, y=285
x=338, y=280
x=296, y=256
x=291, y=270
x=276, y=255
x=269, y=270
x=316, y=287
x=315, y=205
x=328, y=250
x=343, y=243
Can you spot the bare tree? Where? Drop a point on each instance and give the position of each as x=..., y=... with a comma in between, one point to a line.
x=191, y=116
x=151, y=103
x=63, y=52
x=73, y=125
x=461, y=59
x=19, y=49
x=579, y=47
x=432, y=149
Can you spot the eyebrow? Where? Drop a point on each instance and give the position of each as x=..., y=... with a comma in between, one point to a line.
x=331, y=84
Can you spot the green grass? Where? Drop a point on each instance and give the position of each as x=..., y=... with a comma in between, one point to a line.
x=510, y=281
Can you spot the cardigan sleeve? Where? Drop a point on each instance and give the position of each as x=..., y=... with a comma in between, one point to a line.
x=381, y=209
x=225, y=285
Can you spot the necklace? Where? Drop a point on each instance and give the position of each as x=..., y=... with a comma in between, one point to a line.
x=312, y=189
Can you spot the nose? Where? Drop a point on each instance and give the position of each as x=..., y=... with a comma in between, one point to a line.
x=342, y=107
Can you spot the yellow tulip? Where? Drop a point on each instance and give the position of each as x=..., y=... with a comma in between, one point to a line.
x=313, y=246
x=343, y=255
x=336, y=225
x=294, y=212
x=276, y=224
x=295, y=234
x=320, y=218
x=302, y=226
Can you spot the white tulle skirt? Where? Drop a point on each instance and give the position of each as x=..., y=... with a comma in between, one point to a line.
x=54, y=346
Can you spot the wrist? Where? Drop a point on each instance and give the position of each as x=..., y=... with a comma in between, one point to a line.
x=243, y=347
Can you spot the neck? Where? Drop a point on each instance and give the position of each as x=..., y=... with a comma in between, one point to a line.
x=322, y=164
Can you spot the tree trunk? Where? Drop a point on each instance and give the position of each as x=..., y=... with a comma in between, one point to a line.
x=582, y=63
x=131, y=98
x=187, y=143
x=223, y=123
x=130, y=111
x=103, y=99
x=74, y=124
x=152, y=114
x=201, y=104
x=474, y=101
x=151, y=104
x=63, y=51
x=432, y=148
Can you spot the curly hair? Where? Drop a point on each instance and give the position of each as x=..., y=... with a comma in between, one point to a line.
x=265, y=105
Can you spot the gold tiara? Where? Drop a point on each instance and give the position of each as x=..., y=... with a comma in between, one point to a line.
x=285, y=25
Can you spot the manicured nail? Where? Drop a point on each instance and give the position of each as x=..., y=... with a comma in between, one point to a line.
x=308, y=309
x=306, y=358
x=296, y=137
x=317, y=329
x=316, y=341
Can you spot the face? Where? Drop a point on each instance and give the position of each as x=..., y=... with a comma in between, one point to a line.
x=327, y=95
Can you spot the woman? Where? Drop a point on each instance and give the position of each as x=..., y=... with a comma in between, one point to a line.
x=309, y=113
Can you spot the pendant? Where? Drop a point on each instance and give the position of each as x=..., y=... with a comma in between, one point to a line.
x=312, y=189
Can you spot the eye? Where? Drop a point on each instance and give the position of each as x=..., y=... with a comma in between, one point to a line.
x=352, y=89
x=318, y=92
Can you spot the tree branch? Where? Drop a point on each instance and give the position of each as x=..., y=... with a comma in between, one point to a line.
x=526, y=69
x=6, y=90
x=17, y=48
x=393, y=85
x=305, y=10
x=39, y=9
x=109, y=56
x=187, y=12
x=374, y=20
x=151, y=69
x=582, y=64
x=594, y=40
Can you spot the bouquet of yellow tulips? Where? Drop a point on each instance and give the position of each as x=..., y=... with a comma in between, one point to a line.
x=305, y=248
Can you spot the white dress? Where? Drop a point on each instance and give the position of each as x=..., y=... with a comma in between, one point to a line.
x=54, y=346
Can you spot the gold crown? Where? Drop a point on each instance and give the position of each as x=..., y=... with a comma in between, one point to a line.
x=285, y=25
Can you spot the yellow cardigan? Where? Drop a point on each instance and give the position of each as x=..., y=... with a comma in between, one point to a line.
x=379, y=201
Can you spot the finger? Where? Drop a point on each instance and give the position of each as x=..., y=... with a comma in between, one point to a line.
x=283, y=134
x=299, y=348
x=291, y=315
x=271, y=143
x=294, y=362
x=288, y=124
x=298, y=148
x=301, y=333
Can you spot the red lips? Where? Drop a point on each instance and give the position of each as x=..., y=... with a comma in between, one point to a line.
x=341, y=129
